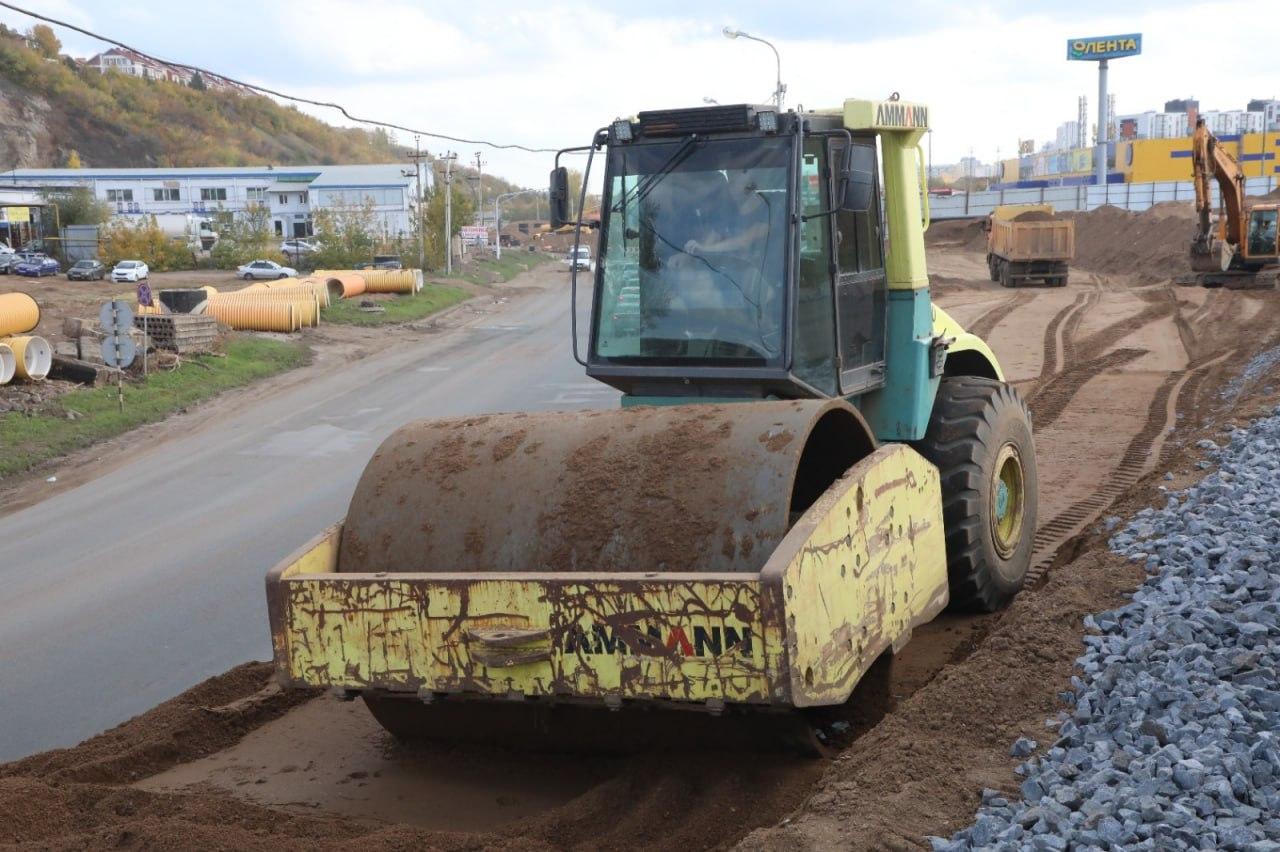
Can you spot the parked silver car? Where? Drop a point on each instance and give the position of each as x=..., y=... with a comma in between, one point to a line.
x=265, y=269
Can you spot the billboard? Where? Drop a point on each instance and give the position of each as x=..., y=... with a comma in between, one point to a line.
x=1104, y=47
x=475, y=235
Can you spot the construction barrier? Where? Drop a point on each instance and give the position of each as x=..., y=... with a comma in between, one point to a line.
x=8, y=364
x=19, y=314
x=32, y=354
x=256, y=314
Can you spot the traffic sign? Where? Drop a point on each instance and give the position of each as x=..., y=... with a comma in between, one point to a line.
x=115, y=314
x=116, y=320
x=118, y=350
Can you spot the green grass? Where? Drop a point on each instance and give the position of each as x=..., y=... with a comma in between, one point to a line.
x=514, y=262
x=27, y=441
x=429, y=300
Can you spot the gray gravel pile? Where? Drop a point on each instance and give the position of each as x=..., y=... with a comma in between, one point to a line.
x=1263, y=364
x=1172, y=736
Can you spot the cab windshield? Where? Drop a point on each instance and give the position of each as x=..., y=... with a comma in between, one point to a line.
x=693, y=254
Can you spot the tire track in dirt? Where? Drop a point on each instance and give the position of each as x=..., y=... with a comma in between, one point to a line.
x=1053, y=341
x=984, y=324
x=1050, y=400
x=1143, y=450
x=1108, y=336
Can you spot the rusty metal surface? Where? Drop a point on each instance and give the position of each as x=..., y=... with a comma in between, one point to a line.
x=701, y=488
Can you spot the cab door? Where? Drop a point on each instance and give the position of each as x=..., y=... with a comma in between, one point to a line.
x=860, y=283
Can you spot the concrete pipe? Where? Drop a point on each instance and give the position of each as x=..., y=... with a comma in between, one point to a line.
x=19, y=313
x=33, y=356
x=8, y=364
x=256, y=315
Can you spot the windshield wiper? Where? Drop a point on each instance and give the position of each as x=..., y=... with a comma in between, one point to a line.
x=646, y=186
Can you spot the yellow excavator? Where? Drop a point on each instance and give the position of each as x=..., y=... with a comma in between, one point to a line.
x=810, y=461
x=1244, y=253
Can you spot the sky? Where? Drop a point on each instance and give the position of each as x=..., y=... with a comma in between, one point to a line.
x=549, y=74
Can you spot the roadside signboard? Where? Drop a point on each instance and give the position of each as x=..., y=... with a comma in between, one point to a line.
x=1104, y=47
x=116, y=320
x=475, y=235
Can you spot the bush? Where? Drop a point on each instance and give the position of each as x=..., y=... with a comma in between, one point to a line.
x=144, y=240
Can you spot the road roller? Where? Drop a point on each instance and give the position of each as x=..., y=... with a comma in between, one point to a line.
x=809, y=461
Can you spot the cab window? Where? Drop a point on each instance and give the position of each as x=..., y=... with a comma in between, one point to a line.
x=814, y=359
x=861, y=291
x=1262, y=232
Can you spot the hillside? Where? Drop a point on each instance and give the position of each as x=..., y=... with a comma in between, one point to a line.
x=50, y=107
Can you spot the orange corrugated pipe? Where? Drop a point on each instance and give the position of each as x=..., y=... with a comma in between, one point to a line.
x=33, y=356
x=256, y=315
x=342, y=285
x=384, y=280
x=19, y=313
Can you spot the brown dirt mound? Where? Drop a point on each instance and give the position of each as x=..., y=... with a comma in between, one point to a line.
x=1034, y=216
x=1152, y=246
x=202, y=720
x=957, y=233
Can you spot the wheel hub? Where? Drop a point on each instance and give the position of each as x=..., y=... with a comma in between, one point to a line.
x=1008, y=500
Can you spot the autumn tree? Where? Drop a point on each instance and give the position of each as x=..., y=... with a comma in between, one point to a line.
x=73, y=160
x=197, y=82
x=246, y=238
x=45, y=41
x=78, y=206
x=346, y=234
x=464, y=210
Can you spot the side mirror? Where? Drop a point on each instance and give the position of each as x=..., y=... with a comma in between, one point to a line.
x=559, y=197
x=859, y=178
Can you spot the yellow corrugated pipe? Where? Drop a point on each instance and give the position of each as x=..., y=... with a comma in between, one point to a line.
x=256, y=315
x=306, y=284
x=308, y=303
x=384, y=280
x=19, y=313
x=8, y=364
x=210, y=289
x=33, y=356
x=157, y=308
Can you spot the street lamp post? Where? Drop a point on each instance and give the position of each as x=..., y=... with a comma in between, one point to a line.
x=497, y=213
x=780, y=90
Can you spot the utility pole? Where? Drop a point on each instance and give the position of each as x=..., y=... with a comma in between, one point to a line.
x=479, y=189
x=422, y=211
x=448, y=211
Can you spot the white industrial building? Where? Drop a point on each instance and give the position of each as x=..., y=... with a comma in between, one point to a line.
x=291, y=194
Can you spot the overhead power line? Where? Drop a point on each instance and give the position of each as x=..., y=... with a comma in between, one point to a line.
x=182, y=66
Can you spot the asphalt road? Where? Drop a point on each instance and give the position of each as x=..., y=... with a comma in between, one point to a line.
x=132, y=587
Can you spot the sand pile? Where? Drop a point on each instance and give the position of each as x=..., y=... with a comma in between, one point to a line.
x=1151, y=245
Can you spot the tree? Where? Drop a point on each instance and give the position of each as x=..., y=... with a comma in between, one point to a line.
x=197, y=82
x=78, y=206
x=246, y=238
x=464, y=210
x=346, y=235
x=73, y=160
x=144, y=240
x=45, y=41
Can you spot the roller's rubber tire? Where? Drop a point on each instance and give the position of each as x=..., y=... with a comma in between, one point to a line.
x=980, y=439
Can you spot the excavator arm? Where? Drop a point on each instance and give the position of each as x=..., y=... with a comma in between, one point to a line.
x=1210, y=161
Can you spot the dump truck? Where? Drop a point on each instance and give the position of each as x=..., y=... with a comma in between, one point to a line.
x=810, y=461
x=1026, y=242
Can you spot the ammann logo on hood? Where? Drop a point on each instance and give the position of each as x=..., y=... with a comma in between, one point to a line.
x=895, y=114
x=696, y=641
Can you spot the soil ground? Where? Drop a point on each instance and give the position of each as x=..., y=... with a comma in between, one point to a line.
x=1122, y=371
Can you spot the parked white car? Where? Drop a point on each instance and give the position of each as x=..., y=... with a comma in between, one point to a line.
x=265, y=269
x=130, y=270
x=293, y=248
